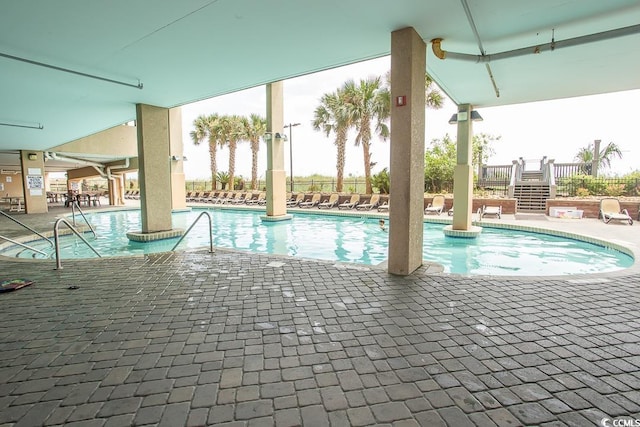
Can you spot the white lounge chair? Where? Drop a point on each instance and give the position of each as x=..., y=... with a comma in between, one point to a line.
x=329, y=203
x=293, y=202
x=352, y=203
x=436, y=206
x=491, y=210
x=610, y=209
x=372, y=203
x=315, y=199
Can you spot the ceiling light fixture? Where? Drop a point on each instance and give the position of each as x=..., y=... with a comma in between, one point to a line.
x=67, y=70
x=15, y=125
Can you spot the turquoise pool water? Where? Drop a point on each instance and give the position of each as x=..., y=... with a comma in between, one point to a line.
x=348, y=239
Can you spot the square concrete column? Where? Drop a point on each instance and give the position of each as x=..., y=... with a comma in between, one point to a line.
x=408, y=65
x=463, y=172
x=276, y=175
x=176, y=148
x=35, y=194
x=154, y=172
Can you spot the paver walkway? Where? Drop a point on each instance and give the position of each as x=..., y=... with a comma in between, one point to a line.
x=192, y=338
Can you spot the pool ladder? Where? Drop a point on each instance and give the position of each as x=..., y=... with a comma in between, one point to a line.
x=28, y=228
x=191, y=226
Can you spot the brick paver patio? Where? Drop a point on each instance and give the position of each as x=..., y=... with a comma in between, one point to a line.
x=193, y=339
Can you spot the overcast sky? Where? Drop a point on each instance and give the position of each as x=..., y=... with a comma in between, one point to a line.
x=556, y=129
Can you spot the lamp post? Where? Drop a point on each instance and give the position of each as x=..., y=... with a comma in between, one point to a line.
x=291, y=125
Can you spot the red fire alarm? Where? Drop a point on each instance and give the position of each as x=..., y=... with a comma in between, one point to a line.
x=401, y=101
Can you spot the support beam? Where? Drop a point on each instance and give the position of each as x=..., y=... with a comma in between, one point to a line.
x=408, y=65
x=176, y=148
x=35, y=195
x=276, y=175
x=154, y=171
x=463, y=172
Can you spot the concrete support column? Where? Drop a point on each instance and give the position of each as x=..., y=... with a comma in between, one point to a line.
x=463, y=172
x=154, y=173
x=408, y=65
x=116, y=190
x=35, y=194
x=276, y=175
x=176, y=149
x=595, y=163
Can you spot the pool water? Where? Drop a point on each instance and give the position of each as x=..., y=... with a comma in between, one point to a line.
x=346, y=239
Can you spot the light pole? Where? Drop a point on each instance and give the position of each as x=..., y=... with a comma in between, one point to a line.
x=291, y=125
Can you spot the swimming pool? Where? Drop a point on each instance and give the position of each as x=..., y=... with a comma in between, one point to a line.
x=347, y=239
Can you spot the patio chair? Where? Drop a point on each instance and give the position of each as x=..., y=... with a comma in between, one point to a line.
x=490, y=210
x=436, y=206
x=315, y=199
x=329, y=203
x=610, y=209
x=384, y=207
x=295, y=201
x=257, y=200
x=352, y=203
x=372, y=203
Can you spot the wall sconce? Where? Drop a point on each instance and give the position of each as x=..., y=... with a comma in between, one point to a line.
x=32, y=156
x=269, y=135
x=462, y=116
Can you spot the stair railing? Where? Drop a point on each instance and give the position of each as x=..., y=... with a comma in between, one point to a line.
x=56, y=233
x=516, y=175
x=74, y=205
x=191, y=226
x=27, y=227
x=23, y=245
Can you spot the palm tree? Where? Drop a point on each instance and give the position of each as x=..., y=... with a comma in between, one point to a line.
x=232, y=130
x=433, y=97
x=254, y=128
x=206, y=128
x=367, y=104
x=611, y=150
x=330, y=116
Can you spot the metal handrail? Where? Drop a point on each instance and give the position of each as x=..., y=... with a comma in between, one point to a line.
x=23, y=245
x=27, y=227
x=190, y=227
x=57, y=245
x=74, y=205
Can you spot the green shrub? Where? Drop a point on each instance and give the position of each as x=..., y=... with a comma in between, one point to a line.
x=381, y=181
x=581, y=192
x=615, y=190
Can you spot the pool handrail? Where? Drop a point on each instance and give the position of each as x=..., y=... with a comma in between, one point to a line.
x=191, y=226
x=23, y=245
x=57, y=244
x=27, y=227
x=75, y=205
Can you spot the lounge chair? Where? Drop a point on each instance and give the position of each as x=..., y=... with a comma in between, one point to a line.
x=213, y=196
x=610, y=210
x=329, y=203
x=258, y=200
x=450, y=211
x=293, y=202
x=436, y=206
x=352, y=203
x=203, y=198
x=315, y=199
x=240, y=198
x=490, y=210
x=372, y=203
x=384, y=207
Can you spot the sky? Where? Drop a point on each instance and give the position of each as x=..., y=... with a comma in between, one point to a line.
x=556, y=129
